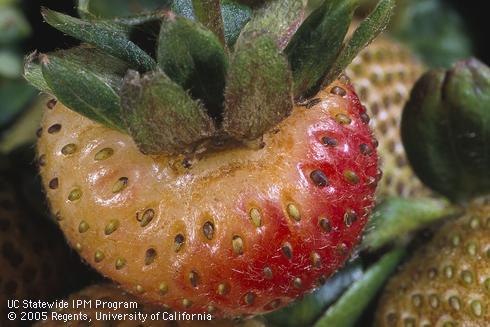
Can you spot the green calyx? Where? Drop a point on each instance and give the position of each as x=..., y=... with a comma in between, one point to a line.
x=446, y=130
x=200, y=70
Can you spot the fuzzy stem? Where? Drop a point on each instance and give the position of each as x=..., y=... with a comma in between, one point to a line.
x=209, y=14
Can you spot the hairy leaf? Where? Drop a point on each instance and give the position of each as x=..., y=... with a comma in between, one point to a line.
x=235, y=16
x=371, y=27
x=208, y=13
x=280, y=18
x=119, y=8
x=83, y=87
x=193, y=57
x=111, y=38
x=258, y=90
x=160, y=116
x=110, y=69
x=33, y=73
x=320, y=36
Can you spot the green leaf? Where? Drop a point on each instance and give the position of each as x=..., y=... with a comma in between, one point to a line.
x=119, y=8
x=87, y=81
x=235, y=16
x=371, y=27
x=184, y=8
x=13, y=25
x=208, y=13
x=193, y=57
x=137, y=21
x=320, y=36
x=395, y=218
x=33, y=73
x=129, y=24
x=308, y=309
x=110, y=38
x=258, y=91
x=161, y=117
x=347, y=310
x=15, y=95
x=111, y=70
x=279, y=18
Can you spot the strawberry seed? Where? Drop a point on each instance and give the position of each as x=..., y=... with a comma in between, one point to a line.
x=319, y=178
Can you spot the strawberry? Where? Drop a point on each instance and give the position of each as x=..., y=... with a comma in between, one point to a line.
x=384, y=73
x=108, y=294
x=446, y=130
x=447, y=282
x=235, y=204
x=243, y=225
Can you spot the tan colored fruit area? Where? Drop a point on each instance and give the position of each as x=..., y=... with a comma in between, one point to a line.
x=110, y=294
x=383, y=75
x=447, y=282
x=203, y=233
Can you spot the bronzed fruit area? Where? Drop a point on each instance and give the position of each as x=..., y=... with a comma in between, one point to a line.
x=216, y=231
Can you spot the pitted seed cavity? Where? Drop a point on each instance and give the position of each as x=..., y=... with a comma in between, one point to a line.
x=237, y=245
x=111, y=227
x=208, y=230
x=293, y=212
x=120, y=185
x=256, y=217
x=104, y=154
x=178, y=242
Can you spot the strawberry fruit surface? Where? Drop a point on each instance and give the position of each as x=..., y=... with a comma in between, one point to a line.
x=111, y=301
x=383, y=75
x=447, y=282
x=224, y=230
x=231, y=178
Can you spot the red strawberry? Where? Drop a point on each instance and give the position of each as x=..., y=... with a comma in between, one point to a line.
x=234, y=210
x=241, y=230
x=109, y=301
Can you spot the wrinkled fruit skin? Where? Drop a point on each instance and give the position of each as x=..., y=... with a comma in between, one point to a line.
x=110, y=294
x=447, y=282
x=384, y=74
x=233, y=232
x=33, y=256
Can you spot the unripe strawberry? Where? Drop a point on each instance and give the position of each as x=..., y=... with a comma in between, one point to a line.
x=446, y=129
x=447, y=282
x=384, y=74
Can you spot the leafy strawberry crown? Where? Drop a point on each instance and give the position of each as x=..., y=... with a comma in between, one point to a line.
x=203, y=70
